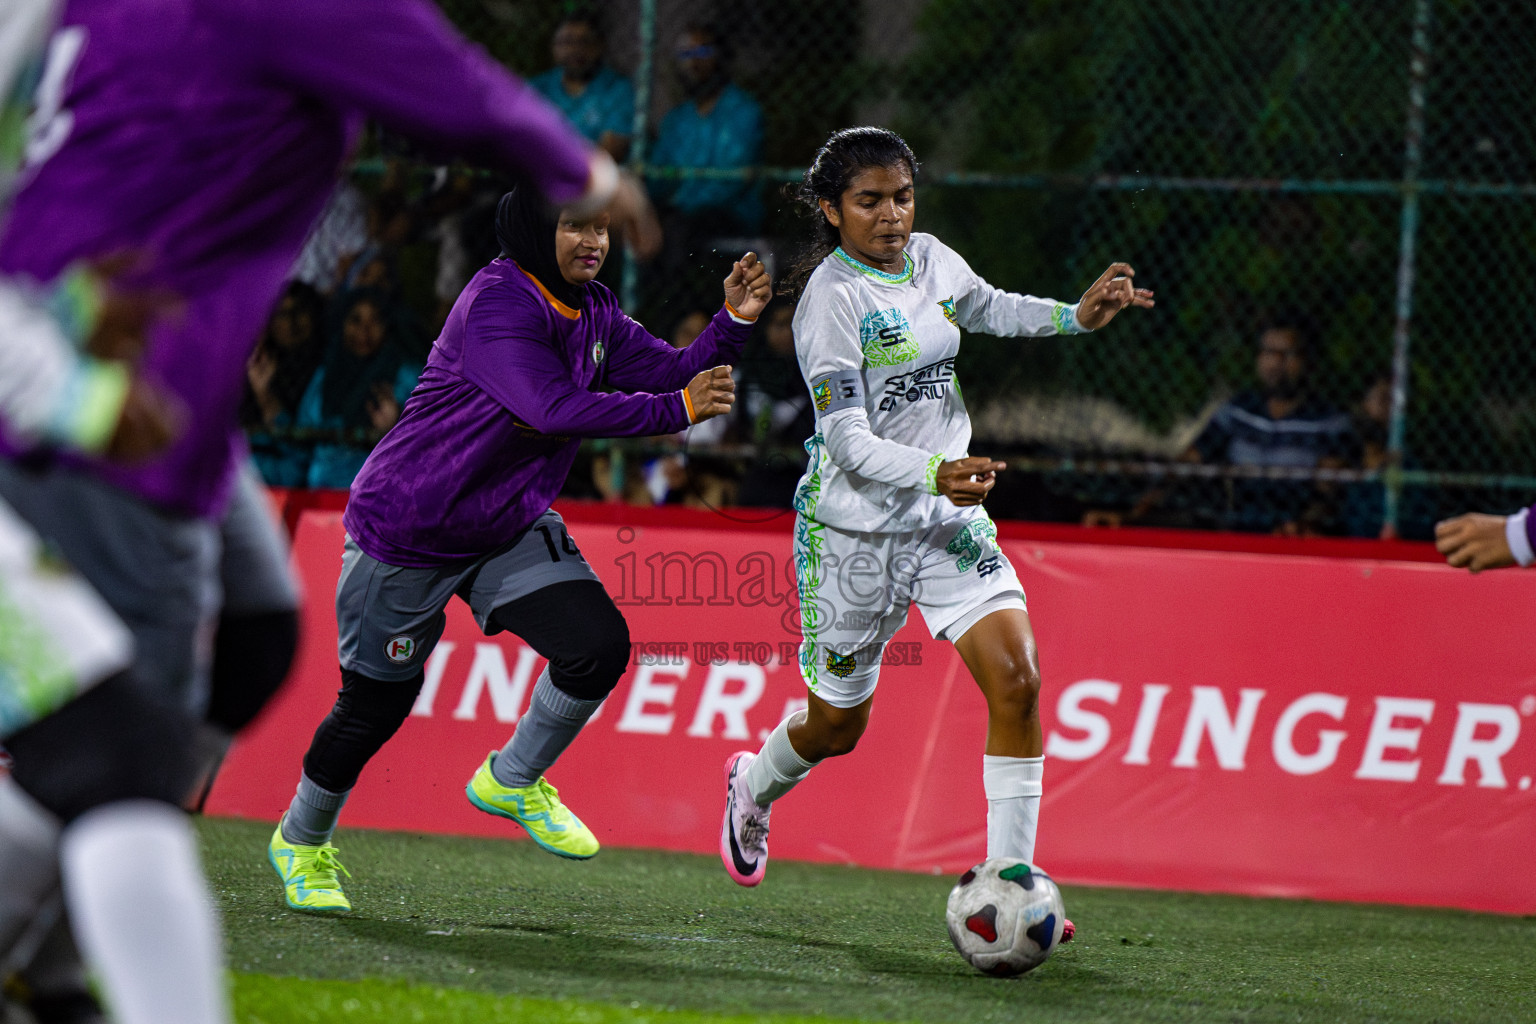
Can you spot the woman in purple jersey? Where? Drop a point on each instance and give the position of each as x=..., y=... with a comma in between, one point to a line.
x=534, y=356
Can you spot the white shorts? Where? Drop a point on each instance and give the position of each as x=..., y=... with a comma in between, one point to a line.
x=57, y=637
x=855, y=589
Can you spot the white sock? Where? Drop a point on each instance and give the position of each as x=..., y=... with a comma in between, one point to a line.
x=142, y=914
x=29, y=873
x=777, y=769
x=1013, y=786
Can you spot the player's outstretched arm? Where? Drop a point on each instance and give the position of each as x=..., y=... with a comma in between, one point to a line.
x=1477, y=541
x=1113, y=291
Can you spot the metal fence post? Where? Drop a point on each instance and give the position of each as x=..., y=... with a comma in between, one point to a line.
x=629, y=285
x=1413, y=156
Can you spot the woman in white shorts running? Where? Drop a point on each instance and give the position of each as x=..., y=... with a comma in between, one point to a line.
x=889, y=509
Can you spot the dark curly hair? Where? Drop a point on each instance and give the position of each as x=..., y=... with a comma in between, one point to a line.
x=845, y=154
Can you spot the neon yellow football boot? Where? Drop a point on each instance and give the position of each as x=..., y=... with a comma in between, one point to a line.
x=537, y=808
x=309, y=875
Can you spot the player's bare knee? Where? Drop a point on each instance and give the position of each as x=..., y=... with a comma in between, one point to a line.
x=1017, y=693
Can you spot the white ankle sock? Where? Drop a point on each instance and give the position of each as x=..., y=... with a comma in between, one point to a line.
x=777, y=769
x=1013, y=786
x=142, y=914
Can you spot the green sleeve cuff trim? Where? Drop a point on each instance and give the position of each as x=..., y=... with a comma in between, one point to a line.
x=1064, y=317
x=931, y=475
x=87, y=409
x=75, y=304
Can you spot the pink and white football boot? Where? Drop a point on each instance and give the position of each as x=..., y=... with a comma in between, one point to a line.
x=744, y=834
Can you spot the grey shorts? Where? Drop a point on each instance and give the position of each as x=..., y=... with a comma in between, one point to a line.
x=161, y=572
x=389, y=618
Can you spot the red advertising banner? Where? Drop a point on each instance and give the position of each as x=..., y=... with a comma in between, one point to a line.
x=1341, y=727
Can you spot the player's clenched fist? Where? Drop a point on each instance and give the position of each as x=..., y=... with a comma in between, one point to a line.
x=966, y=481
x=1474, y=541
x=747, y=287
x=711, y=393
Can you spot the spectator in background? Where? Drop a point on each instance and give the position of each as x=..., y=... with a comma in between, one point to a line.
x=597, y=100
x=688, y=328
x=358, y=392
x=390, y=224
x=1364, y=506
x=717, y=126
x=1278, y=425
x=340, y=233
x=774, y=413
x=277, y=375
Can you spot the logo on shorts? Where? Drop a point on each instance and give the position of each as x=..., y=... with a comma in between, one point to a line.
x=988, y=566
x=400, y=649
x=597, y=351
x=971, y=542
x=841, y=665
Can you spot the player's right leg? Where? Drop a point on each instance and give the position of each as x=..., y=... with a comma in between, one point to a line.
x=844, y=629
x=113, y=766
x=558, y=605
x=388, y=619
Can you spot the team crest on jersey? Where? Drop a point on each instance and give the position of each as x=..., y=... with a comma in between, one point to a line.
x=821, y=394
x=841, y=665
x=887, y=338
x=598, y=351
x=948, y=306
x=400, y=649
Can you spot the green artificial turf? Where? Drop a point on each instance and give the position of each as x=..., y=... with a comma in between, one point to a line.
x=444, y=925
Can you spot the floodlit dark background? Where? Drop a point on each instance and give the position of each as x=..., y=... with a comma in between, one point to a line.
x=1367, y=165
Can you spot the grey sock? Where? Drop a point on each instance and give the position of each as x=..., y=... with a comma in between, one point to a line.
x=554, y=718
x=311, y=818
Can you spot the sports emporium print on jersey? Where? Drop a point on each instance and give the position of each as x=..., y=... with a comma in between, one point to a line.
x=887, y=338
x=931, y=381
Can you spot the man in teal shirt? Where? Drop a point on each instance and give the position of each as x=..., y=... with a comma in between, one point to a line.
x=717, y=126
x=597, y=100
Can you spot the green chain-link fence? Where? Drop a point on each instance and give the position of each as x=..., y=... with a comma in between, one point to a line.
x=1369, y=164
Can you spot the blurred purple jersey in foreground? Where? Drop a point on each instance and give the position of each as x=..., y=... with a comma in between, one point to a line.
x=204, y=136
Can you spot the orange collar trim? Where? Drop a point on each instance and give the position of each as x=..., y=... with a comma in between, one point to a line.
x=560, y=307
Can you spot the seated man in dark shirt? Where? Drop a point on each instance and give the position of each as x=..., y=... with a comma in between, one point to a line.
x=1278, y=425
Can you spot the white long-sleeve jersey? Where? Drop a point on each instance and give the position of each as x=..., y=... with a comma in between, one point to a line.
x=878, y=354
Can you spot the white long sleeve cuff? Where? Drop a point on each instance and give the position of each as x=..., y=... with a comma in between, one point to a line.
x=1519, y=541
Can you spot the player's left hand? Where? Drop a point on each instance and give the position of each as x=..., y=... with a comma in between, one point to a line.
x=1474, y=541
x=1113, y=291
x=747, y=287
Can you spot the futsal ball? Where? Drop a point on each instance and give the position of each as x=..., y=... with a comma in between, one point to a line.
x=1005, y=916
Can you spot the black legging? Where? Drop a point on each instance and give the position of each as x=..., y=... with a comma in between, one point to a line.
x=574, y=624
x=112, y=743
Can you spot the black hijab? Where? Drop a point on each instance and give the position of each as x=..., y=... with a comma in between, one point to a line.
x=525, y=227
x=348, y=386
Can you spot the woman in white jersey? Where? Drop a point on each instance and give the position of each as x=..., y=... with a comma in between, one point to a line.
x=889, y=509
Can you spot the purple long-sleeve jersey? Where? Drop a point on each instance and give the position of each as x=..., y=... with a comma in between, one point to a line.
x=488, y=436
x=203, y=136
